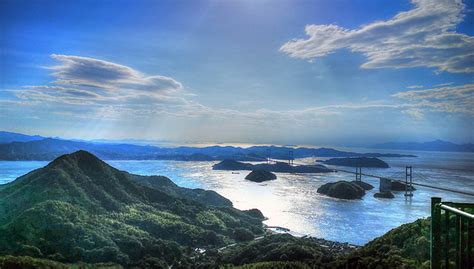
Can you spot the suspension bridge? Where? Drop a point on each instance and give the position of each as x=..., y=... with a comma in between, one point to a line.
x=405, y=177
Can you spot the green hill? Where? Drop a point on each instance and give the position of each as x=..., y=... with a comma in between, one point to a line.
x=406, y=247
x=78, y=208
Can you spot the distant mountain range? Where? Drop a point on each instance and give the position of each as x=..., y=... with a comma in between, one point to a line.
x=8, y=137
x=49, y=148
x=437, y=145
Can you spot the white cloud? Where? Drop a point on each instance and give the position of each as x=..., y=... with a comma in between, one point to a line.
x=95, y=73
x=415, y=86
x=86, y=81
x=415, y=113
x=444, y=84
x=449, y=99
x=423, y=36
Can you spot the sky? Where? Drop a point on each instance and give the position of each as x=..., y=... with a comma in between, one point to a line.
x=319, y=72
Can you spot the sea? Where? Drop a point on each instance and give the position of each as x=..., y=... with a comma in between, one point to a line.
x=291, y=201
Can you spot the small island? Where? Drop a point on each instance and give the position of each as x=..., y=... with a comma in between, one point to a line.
x=384, y=194
x=260, y=176
x=278, y=167
x=342, y=190
x=370, y=162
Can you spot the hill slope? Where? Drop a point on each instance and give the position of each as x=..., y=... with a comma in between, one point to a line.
x=78, y=208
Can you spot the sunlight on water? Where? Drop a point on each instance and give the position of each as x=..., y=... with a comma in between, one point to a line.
x=291, y=201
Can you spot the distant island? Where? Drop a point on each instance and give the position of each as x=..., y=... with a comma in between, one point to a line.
x=342, y=190
x=260, y=176
x=15, y=146
x=370, y=162
x=280, y=167
x=437, y=145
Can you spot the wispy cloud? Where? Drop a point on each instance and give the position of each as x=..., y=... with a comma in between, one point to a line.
x=84, y=71
x=415, y=86
x=450, y=99
x=423, y=36
x=85, y=81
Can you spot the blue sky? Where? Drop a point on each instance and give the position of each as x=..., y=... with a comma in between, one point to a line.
x=288, y=72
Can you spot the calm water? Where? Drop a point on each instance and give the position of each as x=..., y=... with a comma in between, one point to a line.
x=292, y=201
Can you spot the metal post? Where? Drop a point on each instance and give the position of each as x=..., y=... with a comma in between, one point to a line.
x=435, y=252
x=446, y=239
x=462, y=243
x=470, y=244
x=458, y=241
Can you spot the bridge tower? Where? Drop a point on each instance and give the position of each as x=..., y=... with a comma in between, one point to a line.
x=408, y=181
x=290, y=157
x=268, y=156
x=358, y=173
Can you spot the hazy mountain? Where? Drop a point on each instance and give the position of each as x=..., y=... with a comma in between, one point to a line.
x=8, y=137
x=78, y=208
x=437, y=145
x=50, y=148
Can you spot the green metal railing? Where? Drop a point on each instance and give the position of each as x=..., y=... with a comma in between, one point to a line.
x=452, y=235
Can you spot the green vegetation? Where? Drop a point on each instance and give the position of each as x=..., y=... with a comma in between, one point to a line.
x=79, y=209
x=407, y=246
x=278, y=248
x=272, y=265
x=25, y=262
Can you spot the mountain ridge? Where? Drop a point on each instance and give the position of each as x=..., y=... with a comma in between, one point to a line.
x=435, y=145
x=50, y=148
x=8, y=137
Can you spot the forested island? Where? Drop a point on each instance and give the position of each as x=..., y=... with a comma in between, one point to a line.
x=369, y=162
x=79, y=210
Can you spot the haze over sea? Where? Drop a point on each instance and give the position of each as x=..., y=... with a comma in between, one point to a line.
x=291, y=201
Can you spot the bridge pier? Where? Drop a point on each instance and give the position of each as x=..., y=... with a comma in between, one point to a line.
x=358, y=173
x=385, y=185
x=408, y=181
x=268, y=156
